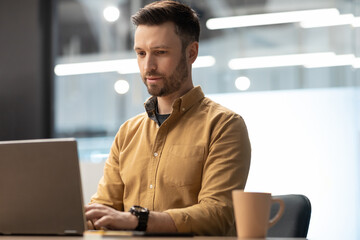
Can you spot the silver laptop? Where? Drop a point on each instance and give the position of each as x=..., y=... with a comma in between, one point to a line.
x=40, y=188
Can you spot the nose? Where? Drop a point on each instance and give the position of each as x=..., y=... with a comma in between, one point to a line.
x=150, y=64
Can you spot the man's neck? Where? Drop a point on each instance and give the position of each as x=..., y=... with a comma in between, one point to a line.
x=165, y=103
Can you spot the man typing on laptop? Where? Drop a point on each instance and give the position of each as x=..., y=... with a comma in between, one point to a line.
x=172, y=169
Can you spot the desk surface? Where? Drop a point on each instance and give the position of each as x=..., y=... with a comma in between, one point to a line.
x=94, y=237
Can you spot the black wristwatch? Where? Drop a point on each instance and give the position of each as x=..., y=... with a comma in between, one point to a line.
x=142, y=214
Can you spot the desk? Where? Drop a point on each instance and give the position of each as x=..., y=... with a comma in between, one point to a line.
x=94, y=237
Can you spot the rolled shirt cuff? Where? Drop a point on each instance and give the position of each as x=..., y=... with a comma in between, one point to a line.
x=181, y=219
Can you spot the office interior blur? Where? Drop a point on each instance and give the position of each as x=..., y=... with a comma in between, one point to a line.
x=290, y=68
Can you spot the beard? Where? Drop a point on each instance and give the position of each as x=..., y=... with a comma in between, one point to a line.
x=171, y=83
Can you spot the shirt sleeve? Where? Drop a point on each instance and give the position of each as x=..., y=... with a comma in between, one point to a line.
x=226, y=168
x=110, y=188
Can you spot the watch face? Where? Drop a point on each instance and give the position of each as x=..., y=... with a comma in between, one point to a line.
x=139, y=209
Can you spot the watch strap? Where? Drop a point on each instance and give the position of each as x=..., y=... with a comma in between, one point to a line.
x=143, y=215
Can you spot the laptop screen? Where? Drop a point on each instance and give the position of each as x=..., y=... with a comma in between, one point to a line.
x=40, y=188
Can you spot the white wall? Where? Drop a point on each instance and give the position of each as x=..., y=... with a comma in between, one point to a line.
x=307, y=141
x=90, y=176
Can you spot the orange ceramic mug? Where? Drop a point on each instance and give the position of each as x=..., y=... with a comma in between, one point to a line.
x=252, y=213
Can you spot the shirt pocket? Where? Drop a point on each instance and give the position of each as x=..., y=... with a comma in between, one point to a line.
x=184, y=165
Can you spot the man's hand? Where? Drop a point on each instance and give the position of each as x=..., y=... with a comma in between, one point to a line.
x=106, y=217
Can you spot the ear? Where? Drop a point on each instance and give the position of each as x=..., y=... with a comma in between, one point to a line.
x=192, y=50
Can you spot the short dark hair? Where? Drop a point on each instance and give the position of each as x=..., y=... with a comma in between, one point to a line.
x=186, y=21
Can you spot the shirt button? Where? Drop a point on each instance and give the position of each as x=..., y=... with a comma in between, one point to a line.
x=156, y=154
x=151, y=186
x=183, y=109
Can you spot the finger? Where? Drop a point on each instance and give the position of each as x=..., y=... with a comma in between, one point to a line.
x=101, y=222
x=90, y=225
x=106, y=222
x=95, y=214
x=94, y=206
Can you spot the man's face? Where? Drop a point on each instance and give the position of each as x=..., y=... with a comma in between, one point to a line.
x=162, y=62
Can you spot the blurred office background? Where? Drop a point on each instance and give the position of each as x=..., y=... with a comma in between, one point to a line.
x=291, y=68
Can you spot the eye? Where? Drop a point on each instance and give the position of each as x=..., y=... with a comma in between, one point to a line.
x=141, y=53
x=161, y=52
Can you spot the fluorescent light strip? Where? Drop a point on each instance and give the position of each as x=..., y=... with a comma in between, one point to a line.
x=204, y=61
x=328, y=21
x=308, y=60
x=269, y=18
x=338, y=60
x=356, y=63
x=356, y=22
x=278, y=61
x=123, y=66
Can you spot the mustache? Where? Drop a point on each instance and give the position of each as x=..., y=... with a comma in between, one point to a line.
x=153, y=73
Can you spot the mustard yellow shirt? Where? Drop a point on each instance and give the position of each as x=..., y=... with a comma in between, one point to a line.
x=187, y=167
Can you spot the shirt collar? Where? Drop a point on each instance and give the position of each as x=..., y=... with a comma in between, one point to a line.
x=186, y=101
x=181, y=104
x=150, y=107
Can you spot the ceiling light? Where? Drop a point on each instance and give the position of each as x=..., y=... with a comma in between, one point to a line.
x=269, y=18
x=339, y=60
x=328, y=21
x=356, y=22
x=308, y=60
x=356, y=63
x=123, y=65
x=242, y=83
x=204, y=61
x=121, y=86
x=278, y=61
x=111, y=14
x=131, y=66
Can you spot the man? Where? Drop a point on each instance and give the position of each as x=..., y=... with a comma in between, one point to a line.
x=175, y=165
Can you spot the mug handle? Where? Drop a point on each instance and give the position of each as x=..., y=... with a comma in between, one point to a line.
x=279, y=213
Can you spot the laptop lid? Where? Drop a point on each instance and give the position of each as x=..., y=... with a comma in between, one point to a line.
x=40, y=188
